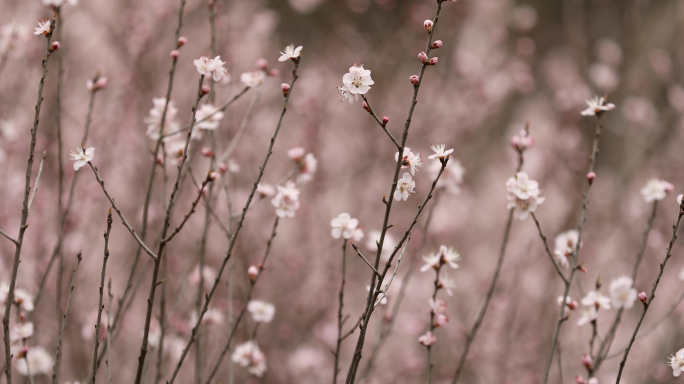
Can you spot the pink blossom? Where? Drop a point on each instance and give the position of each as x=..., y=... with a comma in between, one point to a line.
x=427, y=339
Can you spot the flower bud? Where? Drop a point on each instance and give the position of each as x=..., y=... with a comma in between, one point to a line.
x=422, y=57
x=205, y=90
x=174, y=54
x=572, y=305
x=54, y=46
x=262, y=64
x=181, y=41
x=366, y=107
x=643, y=298
x=441, y=320
x=433, y=61
x=582, y=268
x=385, y=120
x=414, y=80
x=580, y=380
x=101, y=83
x=206, y=152
x=286, y=88
x=590, y=177
x=222, y=168
x=428, y=25
x=213, y=176
x=586, y=361
x=436, y=44
x=211, y=3
x=252, y=272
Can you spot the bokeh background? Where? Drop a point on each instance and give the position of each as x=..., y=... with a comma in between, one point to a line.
x=503, y=64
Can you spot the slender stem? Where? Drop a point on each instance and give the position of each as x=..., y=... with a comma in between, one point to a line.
x=358, y=252
x=58, y=349
x=233, y=240
x=7, y=236
x=490, y=290
x=432, y=322
x=35, y=185
x=60, y=164
x=108, y=341
x=377, y=119
x=340, y=313
x=192, y=210
x=25, y=210
x=243, y=126
x=574, y=266
x=353, y=367
x=100, y=306
x=668, y=254
x=547, y=249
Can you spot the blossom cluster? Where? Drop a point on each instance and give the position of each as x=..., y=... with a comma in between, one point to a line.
x=354, y=83
x=523, y=195
x=346, y=227
x=622, y=295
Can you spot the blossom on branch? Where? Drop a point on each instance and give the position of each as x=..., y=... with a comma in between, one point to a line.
x=211, y=67
x=523, y=195
x=565, y=245
x=440, y=153
x=287, y=200
x=656, y=190
x=410, y=160
x=262, y=312
x=677, y=362
x=81, y=158
x=290, y=53
x=596, y=107
x=343, y=225
x=43, y=27
x=212, y=121
x=358, y=80
x=405, y=187
x=248, y=355
x=622, y=292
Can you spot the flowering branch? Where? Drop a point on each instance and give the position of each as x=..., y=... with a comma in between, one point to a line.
x=358, y=252
x=7, y=236
x=233, y=239
x=206, y=181
x=340, y=319
x=382, y=123
x=100, y=307
x=120, y=214
x=58, y=349
x=25, y=211
x=668, y=254
x=574, y=266
x=546, y=248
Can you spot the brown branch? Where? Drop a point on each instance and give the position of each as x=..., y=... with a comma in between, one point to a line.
x=58, y=349
x=100, y=306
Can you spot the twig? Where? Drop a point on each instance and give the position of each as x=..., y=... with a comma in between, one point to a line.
x=377, y=119
x=108, y=341
x=7, y=236
x=100, y=306
x=192, y=210
x=58, y=349
x=432, y=322
x=358, y=252
x=546, y=248
x=25, y=211
x=340, y=312
x=647, y=304
x=243, y=127
x=35, y=185
x=121, y=216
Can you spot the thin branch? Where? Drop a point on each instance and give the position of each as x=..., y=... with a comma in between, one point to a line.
x=192, y=210
x=25, y=211
x=58, y=349
x=7, y=236
x=118, y=212
x=108, y=341
x=100, y=306
x=35, y=185
x=382, y=125
x=358, y=252
x=340, y=312
x=647, y=304
x=546, y=248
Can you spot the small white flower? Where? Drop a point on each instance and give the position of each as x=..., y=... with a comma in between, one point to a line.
x=596, y=107
x=344, y=94
x=440, y=153
x=438, y=306
x=211, y=122
x=596, y=299
x=449, y=255
x=21, y=331
x=656, y=190
x=677, y=363
x=287, y=200
x=358, y=80
x=622, y=292
x=446, y=282
x=290, y=52
x=262, y=312
x=405, y=187
x=43, y=27
x=343, y=225
x=523, y=195
x=40, y=362
x=253, y=78
x=409, y=160
x=211, y=67
x=431, y=261
x=81, y=158
x=588, y=314
x=565, y=244
x=248, y=355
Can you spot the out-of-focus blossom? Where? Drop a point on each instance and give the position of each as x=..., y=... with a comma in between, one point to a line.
x=596, y=107
x=445, y=255
x=569, y=302
x=101, y=83
x=287, y=200
x=405, y=187
x=565, y=245
x=40, y=362
x=21, y=298
x=622, y=293
x=88, y=328
x=248, y=355
x=82, y=158
x=451, y=178
x=12, y=39
x=253, y=78
x=438, y=306
x=608, y=51
x=211, y=67
x=639, y=111
x=661, y=63
x=358, y=80
x=524, y=18
x=440, y=153
x=446, y=282
x=679, y=199
x=343, y=225
x=387, y=246
x=252, y=272
x=427, y=339
x=21, y=331
x=153, y=121
x=290, y=53
x=441, y=320
x=588, y=314
x=212, y=121
x=59, y=3
x=409, y=160
x=265, y=190
x=208, y=275
x=597, y=300
x=296, y=153
x=677, y=362
x=211, y=317
x=262, y=312
x=604, y=76
x=523, y=141
x=307, y=164
x=656, y=190
x=523, y=195
x=43, y=27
